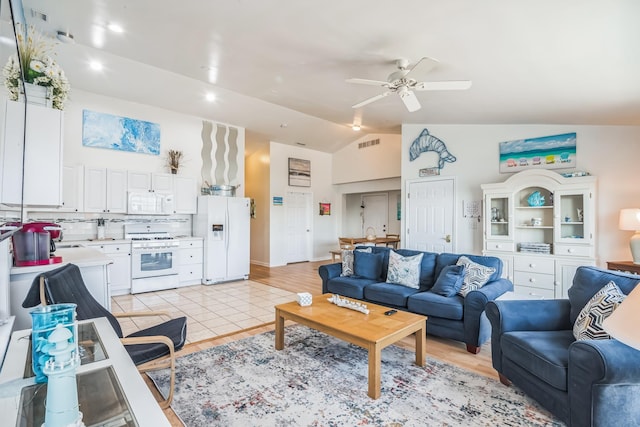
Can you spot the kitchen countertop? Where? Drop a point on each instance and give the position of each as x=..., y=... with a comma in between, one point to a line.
x=82, y=257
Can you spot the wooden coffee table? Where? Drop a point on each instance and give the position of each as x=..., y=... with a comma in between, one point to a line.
x=373, y=331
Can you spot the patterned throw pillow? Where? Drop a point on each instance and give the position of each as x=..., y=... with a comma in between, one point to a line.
x=475, y=275
x=588, y=325
x=347, y=261
x=404, y=270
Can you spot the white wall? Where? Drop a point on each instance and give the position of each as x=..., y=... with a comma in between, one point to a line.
x=324, y=229
x=353, y=164
x=610, y=153
x=178, y=131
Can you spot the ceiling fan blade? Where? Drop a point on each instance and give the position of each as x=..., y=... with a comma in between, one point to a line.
x=444, y=85
x=367, y=82
x=410, y=101
x=424, y=65
x=370, y=100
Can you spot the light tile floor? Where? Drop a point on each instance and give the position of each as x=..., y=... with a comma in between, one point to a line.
x=211, y=310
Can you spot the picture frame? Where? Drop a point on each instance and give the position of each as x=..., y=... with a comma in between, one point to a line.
x=299, y=172
x=325, y=209
x=546, y=152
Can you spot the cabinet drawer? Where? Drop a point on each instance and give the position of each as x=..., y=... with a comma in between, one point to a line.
x=195, y=243
x=529, y=292
x=113, y=248
x=496, y=245
x=191, y=256
x=536, y=280
x=572, y=250
x=534, y=264
x=188, y=273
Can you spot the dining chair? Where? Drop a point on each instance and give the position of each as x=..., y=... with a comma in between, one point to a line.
x=394, y=245
x=150, y=349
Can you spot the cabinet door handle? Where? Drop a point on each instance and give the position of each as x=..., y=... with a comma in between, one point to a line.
x=532, y=280
x=532, y=265
x=571, y=250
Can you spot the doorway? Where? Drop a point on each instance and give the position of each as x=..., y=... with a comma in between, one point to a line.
x=299, y=217
x=430, y=215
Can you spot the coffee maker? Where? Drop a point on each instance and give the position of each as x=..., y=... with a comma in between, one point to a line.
x=35, y=244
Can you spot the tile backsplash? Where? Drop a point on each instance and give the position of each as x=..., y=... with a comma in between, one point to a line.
x=83, y=226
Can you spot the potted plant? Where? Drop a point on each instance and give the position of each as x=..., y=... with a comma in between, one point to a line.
x=174, y=159
x=39, y=69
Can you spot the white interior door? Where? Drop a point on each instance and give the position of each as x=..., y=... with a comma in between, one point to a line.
x=299, y=218
x=430, y=215
x=375, y=214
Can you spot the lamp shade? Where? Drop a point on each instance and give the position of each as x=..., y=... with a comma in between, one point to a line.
x=624, y=321
x=629, y=219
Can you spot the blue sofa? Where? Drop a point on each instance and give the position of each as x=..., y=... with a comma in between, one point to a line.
x=455, y=317
x=584, y=383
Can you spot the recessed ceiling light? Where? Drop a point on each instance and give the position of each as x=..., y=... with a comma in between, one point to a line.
x=355, y=127
x=96, y=65
x=116, y=28
x=210, y=96
x=283, y=125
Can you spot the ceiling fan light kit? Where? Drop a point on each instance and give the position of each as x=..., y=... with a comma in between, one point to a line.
x=399, y=82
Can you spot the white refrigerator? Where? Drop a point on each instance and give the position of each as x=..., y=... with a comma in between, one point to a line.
x=223, y=222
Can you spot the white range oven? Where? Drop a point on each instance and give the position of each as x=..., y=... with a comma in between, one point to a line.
x=154, y=258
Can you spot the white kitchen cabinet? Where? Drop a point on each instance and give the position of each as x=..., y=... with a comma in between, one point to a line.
x=185, y=195
x=119, y=273
x=42, y=155
x=105, y=190
x=72, y=189
x=190, y=261
x=147, y=181
x=546, y=242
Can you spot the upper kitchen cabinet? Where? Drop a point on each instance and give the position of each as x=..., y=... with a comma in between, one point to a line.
x=105, y=190
x=42, y=155
x=186, y=195
x=147, y=181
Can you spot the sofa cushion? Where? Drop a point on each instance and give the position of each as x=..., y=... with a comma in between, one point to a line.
x=367, y=265
x=449, y=281
x=388, y=294
x=403, y=270
x=544, y=354
x=475, y=275
x=589, y=280
x=446, y=258
x=352, y=287
x=432, y=304
x=588, y=325
x=347, y=261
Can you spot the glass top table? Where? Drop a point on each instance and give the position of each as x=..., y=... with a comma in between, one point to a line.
x=111, y=392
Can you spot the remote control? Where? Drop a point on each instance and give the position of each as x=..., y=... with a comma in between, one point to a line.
x=390, y=312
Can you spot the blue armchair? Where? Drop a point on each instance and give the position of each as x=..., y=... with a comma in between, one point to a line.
x=583, y=383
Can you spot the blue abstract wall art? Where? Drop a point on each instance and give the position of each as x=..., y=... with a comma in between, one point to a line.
x=102, y=130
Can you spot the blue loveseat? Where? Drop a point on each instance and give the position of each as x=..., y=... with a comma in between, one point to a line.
x=584, y=383
x=455, y=317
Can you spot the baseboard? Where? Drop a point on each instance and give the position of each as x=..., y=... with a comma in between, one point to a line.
x=260, y=263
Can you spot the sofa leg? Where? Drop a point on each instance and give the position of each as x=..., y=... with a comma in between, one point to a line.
x=504, y=380
x=473, y=349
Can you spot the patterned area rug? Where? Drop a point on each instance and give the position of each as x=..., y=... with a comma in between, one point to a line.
x=318, y=380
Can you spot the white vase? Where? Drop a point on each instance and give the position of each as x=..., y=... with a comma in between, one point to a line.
x=39, y=95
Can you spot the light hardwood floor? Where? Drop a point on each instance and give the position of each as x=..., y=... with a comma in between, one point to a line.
x=303, y=277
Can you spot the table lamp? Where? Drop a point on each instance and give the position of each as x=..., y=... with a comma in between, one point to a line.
x=623, y=323
x=630, y=220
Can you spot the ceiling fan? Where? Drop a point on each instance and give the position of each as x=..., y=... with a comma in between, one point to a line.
x=403, y=84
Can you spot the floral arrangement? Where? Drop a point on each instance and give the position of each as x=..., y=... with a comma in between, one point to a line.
x=38, y=68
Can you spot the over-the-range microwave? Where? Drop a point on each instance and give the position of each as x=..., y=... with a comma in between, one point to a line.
x=150, y=203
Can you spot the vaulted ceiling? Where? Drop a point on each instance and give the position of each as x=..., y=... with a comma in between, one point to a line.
x=278, y=67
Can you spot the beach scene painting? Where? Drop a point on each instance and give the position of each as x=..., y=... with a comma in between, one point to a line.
x=102, y=130
x=546, y=152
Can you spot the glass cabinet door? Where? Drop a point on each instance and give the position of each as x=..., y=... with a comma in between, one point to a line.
x=497, y=216
x=574, y=216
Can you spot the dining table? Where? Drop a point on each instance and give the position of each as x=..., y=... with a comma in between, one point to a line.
x=386, y=241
